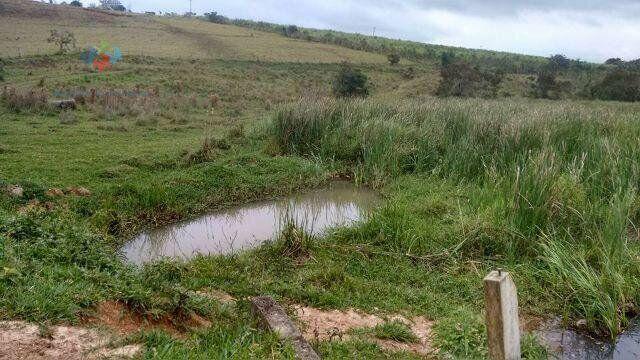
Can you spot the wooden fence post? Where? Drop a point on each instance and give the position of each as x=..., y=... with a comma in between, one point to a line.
x=501, y=307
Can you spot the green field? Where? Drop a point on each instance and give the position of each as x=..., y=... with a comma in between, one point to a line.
x=223, y=115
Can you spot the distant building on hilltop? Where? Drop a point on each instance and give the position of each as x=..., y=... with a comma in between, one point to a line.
x=112, y=5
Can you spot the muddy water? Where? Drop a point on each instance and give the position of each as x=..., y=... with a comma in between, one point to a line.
x=244, y=227
x=568, y=344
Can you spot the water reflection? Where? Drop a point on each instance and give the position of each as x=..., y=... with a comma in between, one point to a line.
x=569, y=344
x=240, y=228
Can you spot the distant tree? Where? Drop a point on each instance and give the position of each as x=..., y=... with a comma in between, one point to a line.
x=76, y=3
x=559, y=62
x=459, y=78
x=290, y=30
x=350, y=82
x=618, y=85
x=214, y=17
x=394, y=58
x=614, y=61
x=446, y=58
x=65, y=40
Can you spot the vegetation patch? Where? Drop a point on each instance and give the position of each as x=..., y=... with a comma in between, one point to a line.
x=395, y=330
x=550, y=189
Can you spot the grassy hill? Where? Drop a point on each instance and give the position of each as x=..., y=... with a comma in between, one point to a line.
x=201, y=116
x=28, y=24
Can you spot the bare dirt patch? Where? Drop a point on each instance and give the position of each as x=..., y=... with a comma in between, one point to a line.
x=21, y=340
x=122, y=320
x=328, y=325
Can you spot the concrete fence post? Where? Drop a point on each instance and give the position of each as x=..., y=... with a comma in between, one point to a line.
x=501, y=307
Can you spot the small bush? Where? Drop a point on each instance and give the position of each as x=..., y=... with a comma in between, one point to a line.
x=206, y=151
x=214, y=17
x=409, y=73
x=394, y=58
x=18, y=101
x=350, y=82
x=618, y=85
x=545, y=85
x=2, y=71
x=460, y=79
x=236, y=132
x=559, y=62
x=614, y=61
x=290, y=31
x=65, y=40
x=447, y=58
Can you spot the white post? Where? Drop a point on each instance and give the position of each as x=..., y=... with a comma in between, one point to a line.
x=501, y=306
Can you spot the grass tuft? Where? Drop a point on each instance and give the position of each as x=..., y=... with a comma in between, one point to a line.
x=395, y=330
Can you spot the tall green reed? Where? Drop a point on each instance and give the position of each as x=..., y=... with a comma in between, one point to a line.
x=566, y=174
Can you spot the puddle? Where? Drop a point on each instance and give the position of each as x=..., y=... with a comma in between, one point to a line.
x=247, y=226
x=569, y=344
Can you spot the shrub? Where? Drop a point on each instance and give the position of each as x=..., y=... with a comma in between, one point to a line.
x=461, y=79
x=409, y=73
x=2, y=73
x=545, y=85
x=65, y=40
x=290, y=31
x=76, y=3
x=18, y=101
x=206, y=151
x=559, y=62
x=214, y=17
x=447, y=58
x=394, y=58
x=350, y=82
x=614, y=61
x=618, y=85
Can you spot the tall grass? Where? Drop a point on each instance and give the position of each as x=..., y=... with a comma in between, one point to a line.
x=564, y=175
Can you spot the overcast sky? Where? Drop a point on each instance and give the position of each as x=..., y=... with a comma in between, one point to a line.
x=586, y=29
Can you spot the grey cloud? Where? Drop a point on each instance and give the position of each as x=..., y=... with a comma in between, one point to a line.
x=493, y=8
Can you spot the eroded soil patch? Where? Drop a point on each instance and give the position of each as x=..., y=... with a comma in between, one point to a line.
x=120, y=319
x=328, y=325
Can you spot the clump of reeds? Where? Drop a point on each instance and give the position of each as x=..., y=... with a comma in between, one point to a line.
x=563, y=178
x=206, y=151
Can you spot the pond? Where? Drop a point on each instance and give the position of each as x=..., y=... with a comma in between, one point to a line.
x=569, y=344
x=247, y=226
